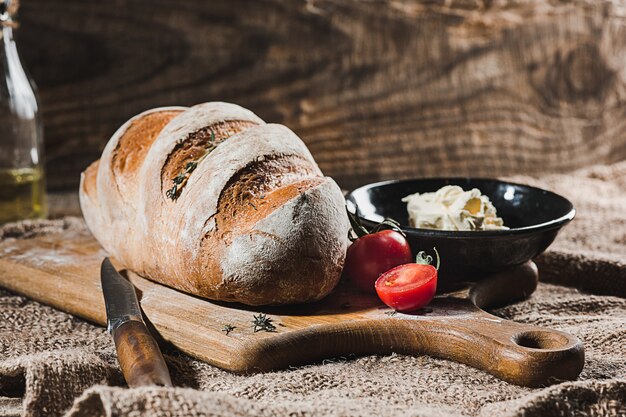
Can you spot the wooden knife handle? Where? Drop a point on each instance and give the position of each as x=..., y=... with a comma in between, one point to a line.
x=139, y=356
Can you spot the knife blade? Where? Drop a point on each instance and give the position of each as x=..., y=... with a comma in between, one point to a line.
x=137, y=352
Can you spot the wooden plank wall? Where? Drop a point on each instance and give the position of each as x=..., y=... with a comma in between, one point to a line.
x=377, y=89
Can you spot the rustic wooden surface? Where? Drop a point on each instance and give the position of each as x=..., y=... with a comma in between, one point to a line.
x=62, y=270
x=377, y=89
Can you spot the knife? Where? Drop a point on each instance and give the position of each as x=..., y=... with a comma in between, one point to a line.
x=137, y=352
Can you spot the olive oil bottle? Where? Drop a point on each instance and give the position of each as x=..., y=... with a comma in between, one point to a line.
x=22, y=194
x=22, y=184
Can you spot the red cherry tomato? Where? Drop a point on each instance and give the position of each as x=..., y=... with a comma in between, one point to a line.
x=372, y=254
x=407, y=287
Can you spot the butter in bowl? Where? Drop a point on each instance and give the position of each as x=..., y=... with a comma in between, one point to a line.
x=508, y=225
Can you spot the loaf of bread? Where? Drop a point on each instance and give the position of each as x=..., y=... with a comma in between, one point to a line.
x=213, y=201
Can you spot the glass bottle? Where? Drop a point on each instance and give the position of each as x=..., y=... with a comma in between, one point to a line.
x=22, y=184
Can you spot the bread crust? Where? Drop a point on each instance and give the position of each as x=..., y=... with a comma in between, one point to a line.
x=254, y=221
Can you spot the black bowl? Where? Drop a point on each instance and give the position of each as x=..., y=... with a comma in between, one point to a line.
x=533, y=215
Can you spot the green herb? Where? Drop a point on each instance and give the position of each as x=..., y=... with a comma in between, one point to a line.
x=391, y=313
x=190, y=167
x=180, y=180
x=211, y=145
x=253, y=206
x=171, y=193
x=263, y=323
x=228, y=328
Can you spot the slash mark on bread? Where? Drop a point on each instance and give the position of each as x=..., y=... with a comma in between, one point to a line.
x=183, y=159
x=263, y=185
x=134, y=144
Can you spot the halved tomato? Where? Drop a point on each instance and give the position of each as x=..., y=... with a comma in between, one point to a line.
x=408, y=287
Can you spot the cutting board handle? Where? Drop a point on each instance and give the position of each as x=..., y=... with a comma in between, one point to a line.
x=515, y=352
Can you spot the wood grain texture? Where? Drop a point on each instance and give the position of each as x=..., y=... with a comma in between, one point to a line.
x=139, y=356
x=62, y=270
x=377, y=89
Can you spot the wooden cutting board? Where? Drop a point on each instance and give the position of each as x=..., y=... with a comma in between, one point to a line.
x=62, y=270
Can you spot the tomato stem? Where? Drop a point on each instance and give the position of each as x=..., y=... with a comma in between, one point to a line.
x=423, y=259
x=359, y=230
x=388, y=223
x=438, y=259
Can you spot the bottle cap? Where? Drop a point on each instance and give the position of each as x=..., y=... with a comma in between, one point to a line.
x=8, y=9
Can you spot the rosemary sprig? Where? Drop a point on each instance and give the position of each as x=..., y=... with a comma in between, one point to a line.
x=263, y=323
x=190, y=167
x=171, y=193
x=180, y=180
x=228, y=328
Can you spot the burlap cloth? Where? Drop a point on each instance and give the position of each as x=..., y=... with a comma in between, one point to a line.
x=53, y=364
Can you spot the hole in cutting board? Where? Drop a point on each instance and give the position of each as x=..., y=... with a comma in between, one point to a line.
x=538, y=339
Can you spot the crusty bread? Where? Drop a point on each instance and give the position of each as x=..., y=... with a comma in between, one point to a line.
x=254, y=221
